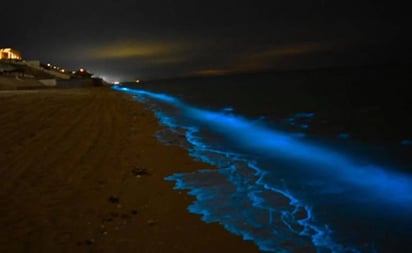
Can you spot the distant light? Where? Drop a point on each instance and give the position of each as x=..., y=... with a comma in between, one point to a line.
x=62, y=70
x=81, y=69
x=48, y=64
x=73, y=72
x=116, y=82
x=54, y=67
x=137, y=81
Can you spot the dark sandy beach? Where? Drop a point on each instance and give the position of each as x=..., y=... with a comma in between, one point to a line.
x=81, y=171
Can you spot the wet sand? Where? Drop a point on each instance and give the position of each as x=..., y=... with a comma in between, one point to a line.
x=81, y=171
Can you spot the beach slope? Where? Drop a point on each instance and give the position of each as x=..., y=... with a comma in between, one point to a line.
x=81, y=171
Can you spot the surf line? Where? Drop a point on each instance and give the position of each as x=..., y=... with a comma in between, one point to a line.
x=383, y=184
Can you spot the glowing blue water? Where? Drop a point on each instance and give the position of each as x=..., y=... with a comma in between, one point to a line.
x=285, y=193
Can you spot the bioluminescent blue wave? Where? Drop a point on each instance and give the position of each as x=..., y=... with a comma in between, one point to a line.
x=309, y=177
x=161, y=97
x=387, y=186
x=261, y=139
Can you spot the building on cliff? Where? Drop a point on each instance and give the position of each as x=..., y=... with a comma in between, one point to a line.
x=10, y=54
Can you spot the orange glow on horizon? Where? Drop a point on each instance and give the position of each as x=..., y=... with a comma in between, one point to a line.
x=212, y=72
x=142, y=49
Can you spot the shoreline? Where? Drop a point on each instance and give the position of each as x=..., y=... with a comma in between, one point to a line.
x=82, y=171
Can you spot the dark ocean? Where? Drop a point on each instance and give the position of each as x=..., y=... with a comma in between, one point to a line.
x=299, y=161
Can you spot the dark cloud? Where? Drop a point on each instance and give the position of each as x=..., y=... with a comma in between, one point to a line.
x=156, y=39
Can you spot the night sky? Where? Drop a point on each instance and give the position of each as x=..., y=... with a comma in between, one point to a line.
x=131, y=39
